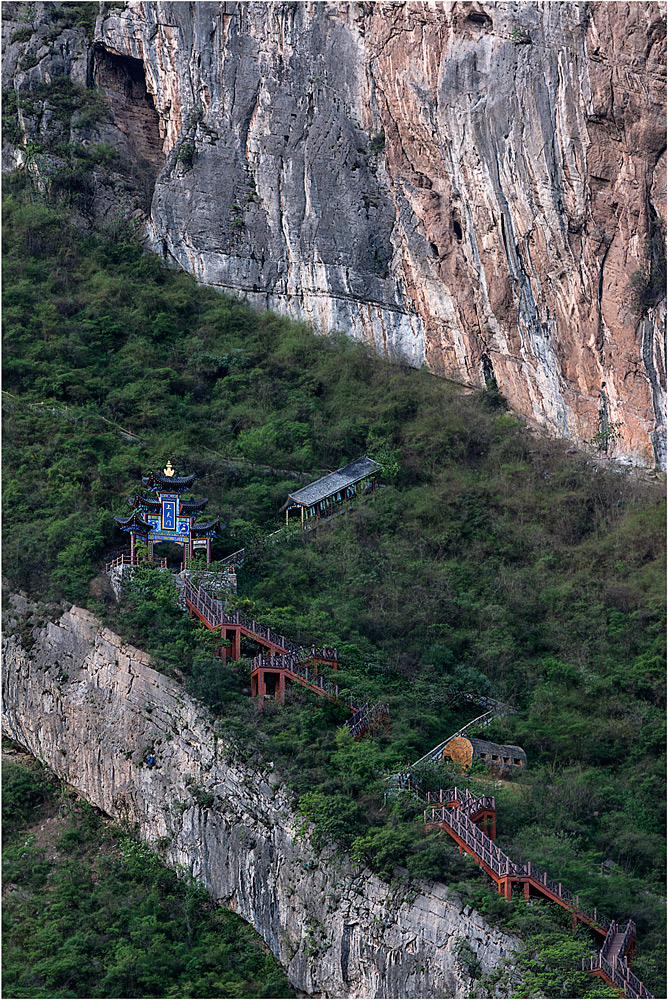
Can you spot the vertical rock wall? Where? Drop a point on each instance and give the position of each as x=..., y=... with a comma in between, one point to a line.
x=471, y=186
x=92, y=709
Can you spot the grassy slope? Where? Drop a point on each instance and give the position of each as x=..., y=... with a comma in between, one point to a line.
x=90, y=912
x=497, y=562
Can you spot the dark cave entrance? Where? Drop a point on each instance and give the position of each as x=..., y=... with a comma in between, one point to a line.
x=487, y=368
x=123, y=83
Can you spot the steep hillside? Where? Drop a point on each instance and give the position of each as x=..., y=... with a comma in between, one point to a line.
x=465, y=190
x=494, y=561
x=227, y=819
x=475, y=187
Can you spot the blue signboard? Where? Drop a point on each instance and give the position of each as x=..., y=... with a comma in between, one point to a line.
x=167, y=536
x=169, y=515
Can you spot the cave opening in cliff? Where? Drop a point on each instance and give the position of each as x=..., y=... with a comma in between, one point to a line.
x=487, y=368
x=479, y=18
x=123, y=83
x=457, y=229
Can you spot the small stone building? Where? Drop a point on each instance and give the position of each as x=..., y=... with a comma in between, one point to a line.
x=499, y=758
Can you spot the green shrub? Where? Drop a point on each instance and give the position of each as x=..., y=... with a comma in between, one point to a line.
x=25, y=790
x=23, y=34
x=377, y=144
x=186, y=154
x=11, y=127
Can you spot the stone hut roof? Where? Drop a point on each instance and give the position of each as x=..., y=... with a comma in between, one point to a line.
x=498, y=753
x=464, y=750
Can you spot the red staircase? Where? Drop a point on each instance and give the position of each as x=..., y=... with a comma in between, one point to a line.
x=213, y=614
x=282, y=661
x=461, y=815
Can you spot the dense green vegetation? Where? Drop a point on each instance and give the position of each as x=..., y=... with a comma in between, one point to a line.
x=495, y=562
x=88, y=911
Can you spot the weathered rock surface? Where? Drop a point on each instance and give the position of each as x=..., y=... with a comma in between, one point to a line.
x=92, y=709
x=466, y=185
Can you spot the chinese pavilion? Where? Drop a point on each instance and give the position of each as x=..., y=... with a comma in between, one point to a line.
x=165, y=517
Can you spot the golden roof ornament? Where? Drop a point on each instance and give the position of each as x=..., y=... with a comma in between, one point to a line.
x=168, y=470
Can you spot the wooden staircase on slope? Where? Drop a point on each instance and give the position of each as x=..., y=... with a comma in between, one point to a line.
x=232, y=625
x=282, y=660
x=471, y=822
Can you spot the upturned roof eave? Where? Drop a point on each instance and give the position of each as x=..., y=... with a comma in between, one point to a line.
x=170, y=484
x=199, y=530
x=133, y=523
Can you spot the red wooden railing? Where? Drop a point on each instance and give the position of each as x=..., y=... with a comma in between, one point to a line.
x=617, y=975
x=456, y=817
x=363, y=716
x=215, y=616
x=284, y=654
x=300, y=672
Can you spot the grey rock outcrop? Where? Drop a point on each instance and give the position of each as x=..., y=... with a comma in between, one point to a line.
x=93, y=709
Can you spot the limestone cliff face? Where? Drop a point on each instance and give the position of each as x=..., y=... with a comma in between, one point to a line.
x=465, y=185
x=92, y=709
